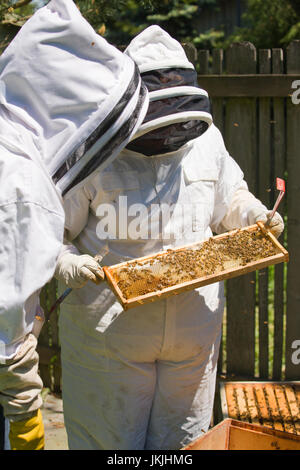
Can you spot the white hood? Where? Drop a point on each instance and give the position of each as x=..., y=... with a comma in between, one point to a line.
x=155, y=49
x=179, y=109
x=64, y=83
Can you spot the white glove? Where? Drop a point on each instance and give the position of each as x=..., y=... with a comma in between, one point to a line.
x=76, y=270
x=276, y=225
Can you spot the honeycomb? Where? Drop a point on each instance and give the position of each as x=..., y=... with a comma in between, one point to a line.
x=175, y=267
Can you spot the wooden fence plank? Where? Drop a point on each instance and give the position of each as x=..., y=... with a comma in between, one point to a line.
x=44, y=342
x=217, y=61
x=218, y=117
x=278, y=151
x=2, y=429
x=293, y=198
x=264, y=183
x=203, y=62
x=277, y=61
x=217, y=103
x=50, y=369
x=240, y=139
x=264, y=61
x=241, y=58
x=293, y=58
x=191, y=52
x=55, y=364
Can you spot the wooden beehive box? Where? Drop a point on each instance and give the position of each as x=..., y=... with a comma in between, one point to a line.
x=272, y=404
x=231, y=434
x=149, y=287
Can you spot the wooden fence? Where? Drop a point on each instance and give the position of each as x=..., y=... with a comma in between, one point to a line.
x=251, y=94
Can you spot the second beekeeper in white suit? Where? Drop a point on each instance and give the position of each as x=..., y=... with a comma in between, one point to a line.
x=145, y=378
x=69, y=101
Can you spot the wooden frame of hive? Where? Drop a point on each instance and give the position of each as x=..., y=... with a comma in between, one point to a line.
x=232, y=434
x=273, y=404
x=280, y=257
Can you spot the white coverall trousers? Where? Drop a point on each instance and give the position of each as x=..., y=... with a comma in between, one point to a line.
x=152, y=368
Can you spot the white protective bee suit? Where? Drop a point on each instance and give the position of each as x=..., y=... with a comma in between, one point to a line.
x=65, y=96
x=145, y=378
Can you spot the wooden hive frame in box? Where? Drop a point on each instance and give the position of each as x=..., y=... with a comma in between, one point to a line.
x=281, y=256
x=232, y=434
x=271, y=404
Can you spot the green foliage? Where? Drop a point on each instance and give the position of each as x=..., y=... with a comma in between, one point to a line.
x=15, y=12
x=98, y=12
x=122, y=20
x=175, y=16
x=292, y=34
x=266, y=23
x=208, y=40
x=269, y=23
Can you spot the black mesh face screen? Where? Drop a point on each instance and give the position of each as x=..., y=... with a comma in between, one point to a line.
x=170, y=138
x=167, y=78
x=167, y=139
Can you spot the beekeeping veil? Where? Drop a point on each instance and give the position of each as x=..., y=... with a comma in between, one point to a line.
x=179, y=109
x=79, y=97
x=69, y=103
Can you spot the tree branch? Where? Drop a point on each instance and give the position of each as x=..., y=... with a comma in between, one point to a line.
x=19, y=4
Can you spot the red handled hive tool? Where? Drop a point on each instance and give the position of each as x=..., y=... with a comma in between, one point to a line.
x=280, y=186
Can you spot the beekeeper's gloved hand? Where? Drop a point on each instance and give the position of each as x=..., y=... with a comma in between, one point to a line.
x=76, y=270
x=276, y=226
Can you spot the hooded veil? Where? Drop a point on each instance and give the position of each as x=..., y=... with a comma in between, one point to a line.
x=179, y=109
x=69, y=103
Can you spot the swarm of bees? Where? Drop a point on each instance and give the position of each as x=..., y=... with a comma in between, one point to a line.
x=182, y=265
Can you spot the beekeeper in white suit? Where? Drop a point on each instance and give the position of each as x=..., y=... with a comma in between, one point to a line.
x=69, y=104
x=145, y=378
